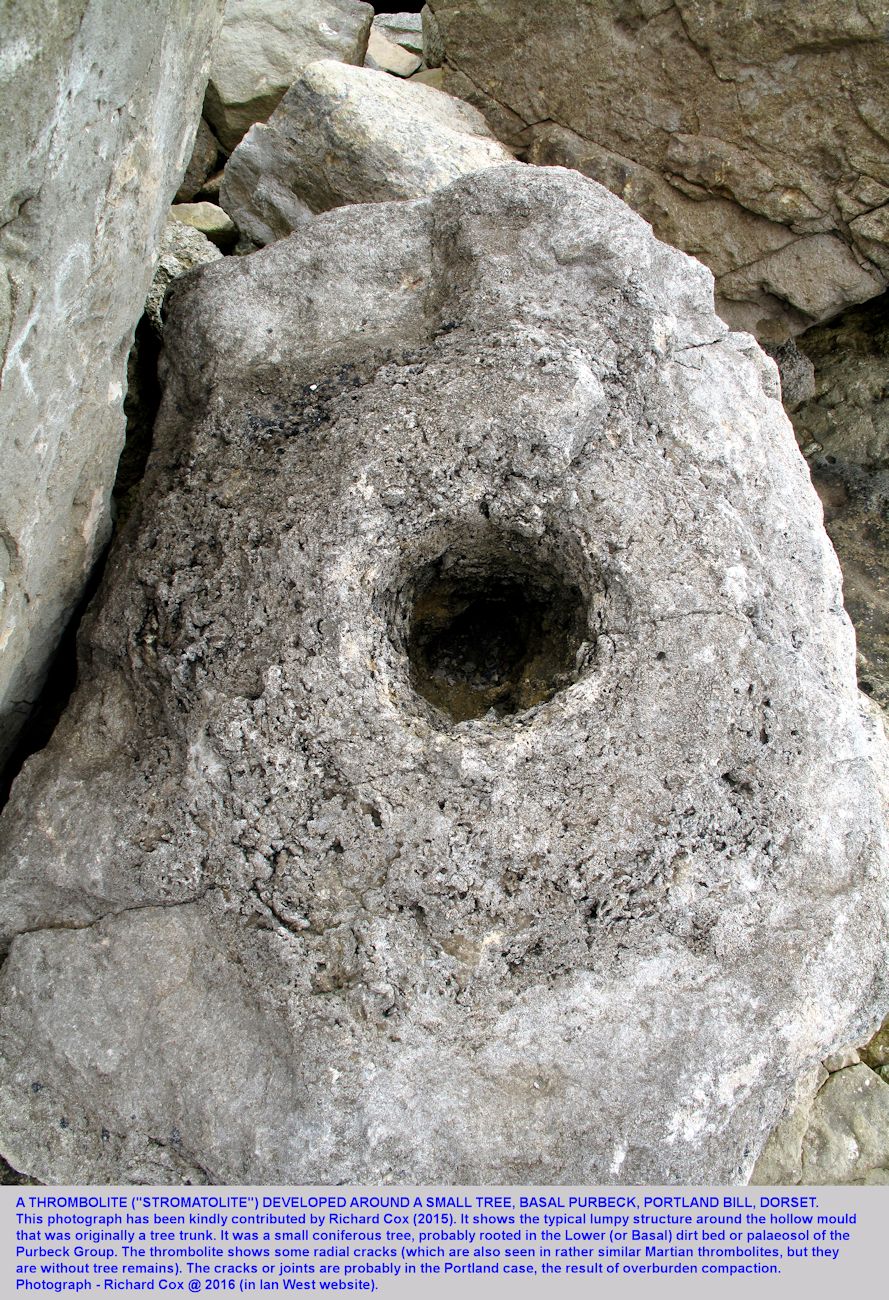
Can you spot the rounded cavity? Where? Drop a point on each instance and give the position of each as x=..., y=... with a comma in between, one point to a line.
x=494, y=623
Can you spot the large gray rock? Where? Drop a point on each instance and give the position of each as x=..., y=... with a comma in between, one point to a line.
x=351, y=135
x=265, y=44
x=753, y=136
x=98, y=105
x=466, y=774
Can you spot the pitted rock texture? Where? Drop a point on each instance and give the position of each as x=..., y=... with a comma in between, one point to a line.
x=98, y=106
x=487, y=454
x=753, y=136
x=262, y=48
x=351, y=135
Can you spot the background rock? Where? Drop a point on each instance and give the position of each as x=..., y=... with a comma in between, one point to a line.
x=405, y=29
x=840, y=1136
x=183, y=247
x=98, y=106
x=390, y=945
x=433, y=48
x=388, y=56
x=262, y=48
x=351, y=135
x=203, y=161
x=208, y=218
x=844, y=431
x=750, y=137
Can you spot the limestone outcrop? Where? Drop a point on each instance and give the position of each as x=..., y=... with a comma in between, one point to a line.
x=265, y=44
x=98, y=109
x=479, y=793
x=351, y=135
x=753, y=136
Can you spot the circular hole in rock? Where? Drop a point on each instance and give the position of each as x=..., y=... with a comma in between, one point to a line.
x=493, y=625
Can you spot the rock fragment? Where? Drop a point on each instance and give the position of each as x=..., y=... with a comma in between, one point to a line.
x=387, y=56
x=405, y=29
x=265, y=44
x=208, y=218
x=183, y=247
x=504, y=685
x=839, y=1137
x=351, y=135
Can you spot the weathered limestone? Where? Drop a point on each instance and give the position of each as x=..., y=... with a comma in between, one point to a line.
x=753, y=136
x=265, y=44
x=504, y=686
x=98, y=106
x=351, y=135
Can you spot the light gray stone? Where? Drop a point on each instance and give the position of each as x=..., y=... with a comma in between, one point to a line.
x=417, y=900
x=387, y=56
x=839, y=1137
x=98, y=102
x=404, y=29
x=210, y=219
x=772, y=124
x=182, y=249
x=263, y=47
x=351, y=135
x=842, y=1059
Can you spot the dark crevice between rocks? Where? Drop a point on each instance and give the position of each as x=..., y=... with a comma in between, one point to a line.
x=140, y=408
x=61, y=679
x=10, y=1177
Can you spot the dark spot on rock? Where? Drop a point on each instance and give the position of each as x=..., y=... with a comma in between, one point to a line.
x=493, y=625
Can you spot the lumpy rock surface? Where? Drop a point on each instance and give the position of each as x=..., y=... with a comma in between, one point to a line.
x=466, y=780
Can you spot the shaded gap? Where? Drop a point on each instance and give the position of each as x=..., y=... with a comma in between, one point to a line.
x=141, y=406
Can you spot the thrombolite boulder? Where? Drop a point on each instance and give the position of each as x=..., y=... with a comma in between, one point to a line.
x=351, y=135
x=263, y=46
x=753, y=136
x=467, y=729
x=98, y=107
